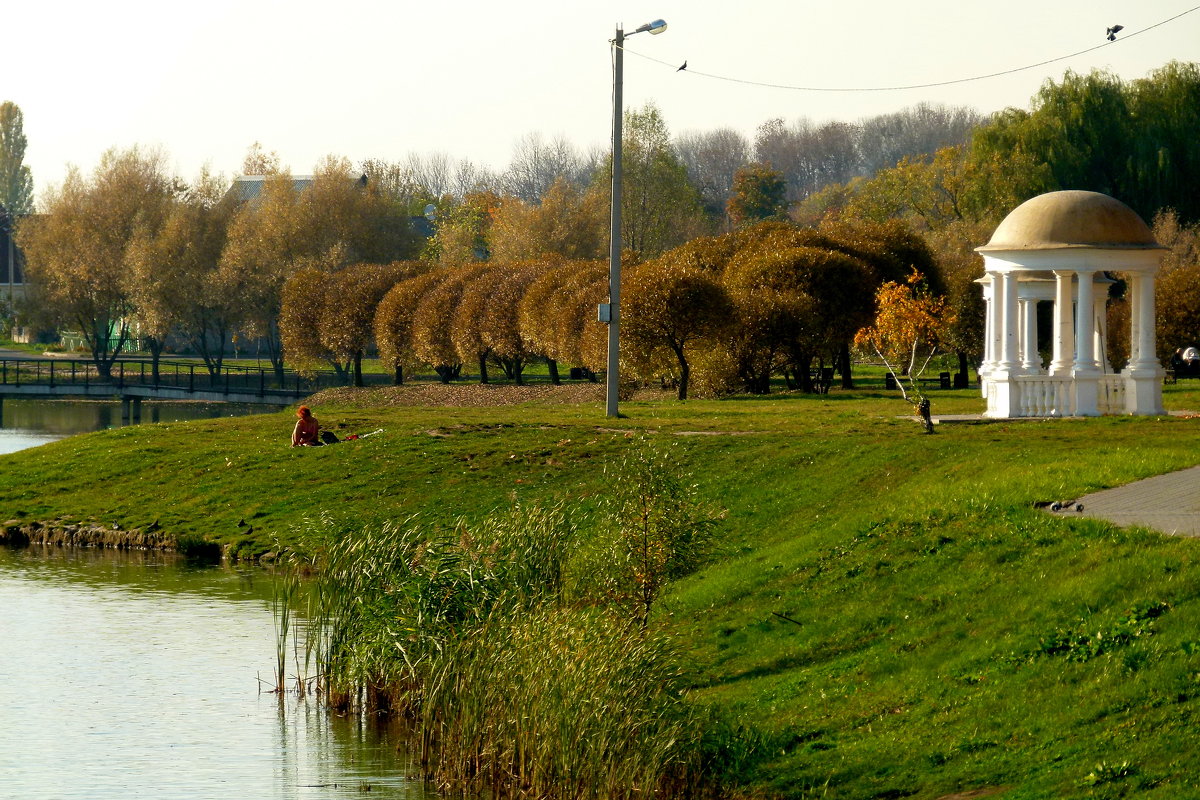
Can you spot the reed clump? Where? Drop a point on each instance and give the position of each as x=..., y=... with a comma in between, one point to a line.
x=515, y=677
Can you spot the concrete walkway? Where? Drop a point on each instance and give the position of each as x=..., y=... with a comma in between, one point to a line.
x=1169, y=503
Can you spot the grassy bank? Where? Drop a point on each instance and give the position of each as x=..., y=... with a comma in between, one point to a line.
x=888, y=616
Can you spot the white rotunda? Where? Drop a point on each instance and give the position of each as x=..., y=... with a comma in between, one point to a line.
x=1055, y=248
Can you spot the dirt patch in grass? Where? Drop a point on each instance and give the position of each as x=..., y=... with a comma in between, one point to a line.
x=460, y=395
x=467, y=395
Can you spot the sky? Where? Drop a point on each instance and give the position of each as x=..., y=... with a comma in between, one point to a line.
x=470, y=78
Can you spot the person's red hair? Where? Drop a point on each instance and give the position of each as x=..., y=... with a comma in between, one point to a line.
x=303, y=411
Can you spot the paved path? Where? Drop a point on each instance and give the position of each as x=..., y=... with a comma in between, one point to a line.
x=1169, y=503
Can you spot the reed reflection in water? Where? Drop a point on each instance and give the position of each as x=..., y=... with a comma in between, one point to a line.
x=135, y=675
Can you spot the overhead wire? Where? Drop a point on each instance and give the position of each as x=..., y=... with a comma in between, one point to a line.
x=931, y=85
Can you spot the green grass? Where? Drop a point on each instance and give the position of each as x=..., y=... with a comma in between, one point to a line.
x=888, y=616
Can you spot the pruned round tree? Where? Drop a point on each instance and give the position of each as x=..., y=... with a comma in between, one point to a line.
x=669, y=308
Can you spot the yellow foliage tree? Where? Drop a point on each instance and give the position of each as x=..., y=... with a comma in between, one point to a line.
x=909, y=326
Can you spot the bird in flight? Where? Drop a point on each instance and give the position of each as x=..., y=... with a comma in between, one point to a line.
x=1113, y=31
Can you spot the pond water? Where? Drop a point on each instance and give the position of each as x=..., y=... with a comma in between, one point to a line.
x=135, y=675
x=28, y=423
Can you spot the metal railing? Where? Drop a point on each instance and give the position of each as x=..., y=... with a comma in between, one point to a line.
x=187, y=377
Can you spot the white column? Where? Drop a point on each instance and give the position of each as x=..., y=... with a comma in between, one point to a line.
x=989, y=325
x=1143, y=376
x=1085, y=320
x=1086, y=379
x=1100, y=301
x=1064, y=335
x=1031, y=359
x=1142, y=347
x=1008, y=354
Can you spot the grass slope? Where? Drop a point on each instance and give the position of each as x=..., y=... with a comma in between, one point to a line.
x=888, y=616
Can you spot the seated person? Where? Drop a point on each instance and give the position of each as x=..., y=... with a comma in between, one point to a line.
x=306, y=432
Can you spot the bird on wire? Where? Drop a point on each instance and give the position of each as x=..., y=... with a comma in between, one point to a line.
x=1113, y=31
x=681, y=69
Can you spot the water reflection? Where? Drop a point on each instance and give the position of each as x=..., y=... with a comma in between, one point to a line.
x=136, y=675
x=28, y=423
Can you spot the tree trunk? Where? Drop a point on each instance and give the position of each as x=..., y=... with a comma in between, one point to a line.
x=926, y=418
x=156, y=348
x=358, y=380
x=553, y=365
x=483, y=373
x=685, y=371
x=964, y=373
x=398, y=376
x=845, y=366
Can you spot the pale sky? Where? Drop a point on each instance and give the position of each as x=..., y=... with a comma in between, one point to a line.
x=372, y=79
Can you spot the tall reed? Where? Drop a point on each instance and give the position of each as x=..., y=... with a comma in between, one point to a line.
x=510, y=683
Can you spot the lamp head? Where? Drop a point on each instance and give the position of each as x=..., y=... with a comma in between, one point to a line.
x=654, y=28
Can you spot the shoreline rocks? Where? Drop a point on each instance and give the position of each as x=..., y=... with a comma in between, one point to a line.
x=18, y=533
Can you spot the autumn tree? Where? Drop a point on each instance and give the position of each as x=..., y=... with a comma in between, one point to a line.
x=759, y=193
x=463, y=231
x=908, y=329
x=301, y=304
x=77, y=252
x=1177, y=301
x=960, y=266
x=500, y=320
x=264, y=246
x=549, y=316
x=672, y=307
x=260, y=162
x=335, y=221
x=567, y=222
x=660, y=208
x=16, y=182
x=433, y=322
x=348, y=307
x=394, y=318
x=466, y=320
x=172, y=274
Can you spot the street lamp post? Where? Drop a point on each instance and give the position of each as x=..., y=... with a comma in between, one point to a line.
x=611, y=312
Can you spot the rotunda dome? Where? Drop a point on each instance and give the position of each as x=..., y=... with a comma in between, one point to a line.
x=1072, y=219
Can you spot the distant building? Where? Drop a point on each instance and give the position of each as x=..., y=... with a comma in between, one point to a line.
x=249, y=187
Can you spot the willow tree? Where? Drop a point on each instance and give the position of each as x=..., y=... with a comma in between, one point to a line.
x=264, y=246
x=542, y=314
x=335, y=221
x=499, y=323
x=168, y=264
x=1132, y=140
x=433, y=322
x=77, y=252
x=466, y=318
x=394, y=319
x=670, y=308
x=328, y=317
